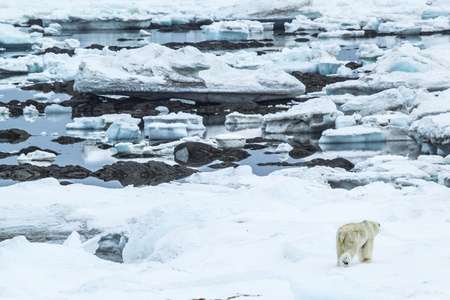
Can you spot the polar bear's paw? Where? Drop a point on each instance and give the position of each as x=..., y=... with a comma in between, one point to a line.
x=345, y=259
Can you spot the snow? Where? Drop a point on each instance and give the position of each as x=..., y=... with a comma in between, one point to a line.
x=227, y=233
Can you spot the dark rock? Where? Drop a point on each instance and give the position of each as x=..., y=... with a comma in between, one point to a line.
x=112, y=48
x=199, y=154
x=111, y=247
x=65, y=182
x=221, y=45
x=68, y=172
x=127, y=173
x=255, y=146
x=302, y=40
x=34, y=148
x=181, y=27
x=224, y=165
x=195, y=153
x=302, y=151
x=86, y=104
x=24, y=172
x=315, y=82
x=333, y=163
x=32, y=22
x=233, y=154
x=68, y=140
x=56, y=87
x=353, y=65
x=16, y=107
x=13, y=136
x=104, y=146
x=57, y=50
x=258, y=140
x=137, y=174
x=29, y=172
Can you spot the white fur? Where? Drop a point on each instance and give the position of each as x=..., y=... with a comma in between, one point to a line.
x=356, y=238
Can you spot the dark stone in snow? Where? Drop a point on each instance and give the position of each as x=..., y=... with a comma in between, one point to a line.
x=199, y=154
x=111, y=247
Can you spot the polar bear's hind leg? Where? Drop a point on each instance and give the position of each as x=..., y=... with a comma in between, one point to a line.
x=365, y=253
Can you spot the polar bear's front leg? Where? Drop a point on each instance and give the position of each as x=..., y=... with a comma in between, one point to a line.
x=365, y=253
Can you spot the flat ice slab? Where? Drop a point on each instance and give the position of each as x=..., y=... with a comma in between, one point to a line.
x=155, y=72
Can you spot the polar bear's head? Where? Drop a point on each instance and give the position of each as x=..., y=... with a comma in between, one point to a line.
x=375, y=226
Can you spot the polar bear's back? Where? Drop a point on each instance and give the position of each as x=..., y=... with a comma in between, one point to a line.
x=351, y=233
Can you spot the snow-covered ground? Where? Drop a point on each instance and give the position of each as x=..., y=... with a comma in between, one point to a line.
x=231, y=234
x=228, y=233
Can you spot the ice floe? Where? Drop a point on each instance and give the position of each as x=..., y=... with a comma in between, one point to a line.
x=11, y=37
x=36, y=156
x=165, y=131
x=406, y=66
x=230, y=140
x=156, y=71
x=173, y=126
x=314, y=115
x=232, y=30
x=239, y=118
x=122, y=130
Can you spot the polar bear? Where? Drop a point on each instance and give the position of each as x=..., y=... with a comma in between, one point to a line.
x=355, y=238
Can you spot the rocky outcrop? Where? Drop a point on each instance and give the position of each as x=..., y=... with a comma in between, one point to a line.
x=127, y=173
x=13, y=136
x=137, y=174
x=199, y=154
x=332, y=163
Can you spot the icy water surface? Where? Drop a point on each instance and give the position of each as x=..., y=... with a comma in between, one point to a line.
x=43, y=129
